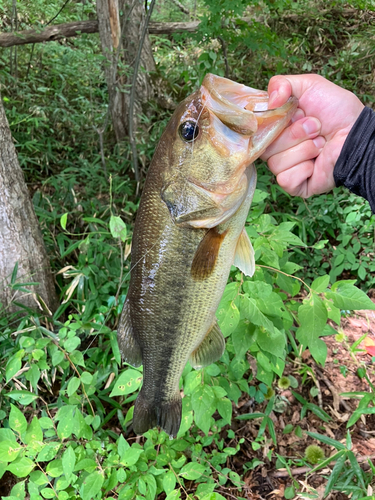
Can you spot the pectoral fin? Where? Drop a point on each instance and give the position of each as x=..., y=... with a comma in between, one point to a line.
x=244, y=258
x=129, y=348
x=211, y=348
x=206, y=255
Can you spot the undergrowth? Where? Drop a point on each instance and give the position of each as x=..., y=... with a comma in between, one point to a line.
x=66, y=399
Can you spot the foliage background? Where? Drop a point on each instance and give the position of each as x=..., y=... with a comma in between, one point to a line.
x=66, y=400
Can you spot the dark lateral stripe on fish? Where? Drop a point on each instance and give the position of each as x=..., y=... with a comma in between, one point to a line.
x=206, y=255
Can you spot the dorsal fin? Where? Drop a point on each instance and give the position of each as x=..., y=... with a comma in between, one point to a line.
x=206, y=255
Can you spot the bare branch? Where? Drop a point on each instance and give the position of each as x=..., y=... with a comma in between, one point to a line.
x=181, y=7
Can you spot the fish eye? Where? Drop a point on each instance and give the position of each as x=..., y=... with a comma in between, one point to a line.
x=189, y=131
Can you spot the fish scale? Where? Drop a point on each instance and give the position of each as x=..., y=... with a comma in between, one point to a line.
x=187, y=235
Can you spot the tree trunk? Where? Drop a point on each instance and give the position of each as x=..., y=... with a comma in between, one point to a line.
x=20, y=237
x=119, y=38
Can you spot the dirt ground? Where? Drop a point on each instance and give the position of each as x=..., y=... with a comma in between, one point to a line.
x=338, y=376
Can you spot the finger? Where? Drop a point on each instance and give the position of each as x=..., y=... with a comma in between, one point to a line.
x=279, y=90
x=287, y=159
x=281, y=87
x=297, y=132
x=295, y=180
x=298, y=115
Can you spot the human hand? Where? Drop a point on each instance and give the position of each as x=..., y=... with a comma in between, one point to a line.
x=304, y=155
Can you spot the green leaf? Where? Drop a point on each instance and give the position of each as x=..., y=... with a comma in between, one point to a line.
x=326, y=440
x=55, y=468
x=213, y=496
x=192, y=470
x=18, y=490
x=131, y=456
x=48, y=452
x=48, y=493
x=251, y=312
x=169, y=482
x=117, y=227
x=203, y=404
x=243, y=337
x=128, y=382
x=21, y=467
x=63, y=220
x=17, y=421
x=34, y=433
x=72, y=343
x=86, y=378
x=312, y=315
x=22, y=397
x=122, y=445
x=289, y=492
x=224, y=407
x=68, y=462
x=318, y=350
x=228, y=317
x=73, y=385
x=174, y=495
x=349, y=297
x=38, y=478
x=9, y=451
x=319, y=285
x=65, y=416
x=335, y=473
x=91, y=485
x=356, y=468
x=13, y=366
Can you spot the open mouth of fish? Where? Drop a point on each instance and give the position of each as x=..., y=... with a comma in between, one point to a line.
x=235, y=120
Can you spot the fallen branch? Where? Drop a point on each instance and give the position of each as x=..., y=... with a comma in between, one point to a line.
x=67, y=30
x=55, y=32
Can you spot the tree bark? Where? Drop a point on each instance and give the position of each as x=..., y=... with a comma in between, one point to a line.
x=67, y=30
x=119, y=42
x=20, y=237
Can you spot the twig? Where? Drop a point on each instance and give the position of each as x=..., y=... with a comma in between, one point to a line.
x=302, y=470
x=181, y=7
x=285, y=274
x=335, y=394
x=49, y=22
x=224, y=47
x=132, y=91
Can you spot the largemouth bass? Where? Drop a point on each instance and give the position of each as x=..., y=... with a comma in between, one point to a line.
x=189, y=231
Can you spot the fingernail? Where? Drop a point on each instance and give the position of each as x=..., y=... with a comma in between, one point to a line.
x=311, y=126
x=319, y=142
x=272, y=98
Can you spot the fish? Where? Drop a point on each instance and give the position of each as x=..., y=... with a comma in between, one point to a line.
x=189, y=231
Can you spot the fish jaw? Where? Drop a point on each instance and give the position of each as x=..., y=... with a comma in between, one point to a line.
x=245, y=110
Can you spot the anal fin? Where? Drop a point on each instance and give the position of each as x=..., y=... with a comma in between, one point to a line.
x=210, y=349
x=244, y=257
x=129, y=347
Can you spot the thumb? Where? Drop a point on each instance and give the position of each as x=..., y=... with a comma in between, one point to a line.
x=279, y=90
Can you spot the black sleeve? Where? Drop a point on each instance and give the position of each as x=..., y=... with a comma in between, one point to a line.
x=355, y=167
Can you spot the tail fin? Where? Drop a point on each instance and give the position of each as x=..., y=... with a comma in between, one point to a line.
x=165, y=414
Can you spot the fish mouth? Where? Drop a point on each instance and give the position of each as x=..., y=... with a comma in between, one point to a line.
x=244, y=110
